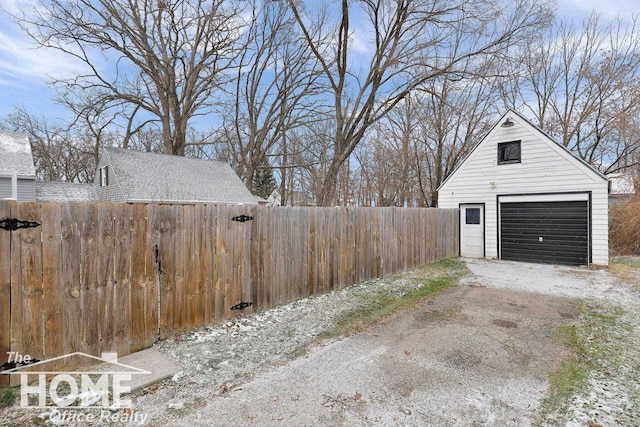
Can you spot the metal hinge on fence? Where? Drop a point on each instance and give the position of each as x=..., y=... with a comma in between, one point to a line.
x=242, y=305
x=242, y=218
x=12, y=224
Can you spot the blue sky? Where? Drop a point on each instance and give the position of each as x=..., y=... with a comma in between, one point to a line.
x=24, y=71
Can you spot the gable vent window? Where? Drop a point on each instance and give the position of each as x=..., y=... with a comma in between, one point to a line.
x=508, y=152
x=104, y=176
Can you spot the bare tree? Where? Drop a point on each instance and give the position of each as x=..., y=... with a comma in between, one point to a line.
x=456, y=113
x=304, y=163
x=161, y=60
x=408, y=42
x=59, y=153
x=409, y=153
x=302, y=155
x=387, y=175
x=274, y=91
x=584, y=83
x=101, y=118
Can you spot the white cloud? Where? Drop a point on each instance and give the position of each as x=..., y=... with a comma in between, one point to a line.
x=22, y=61
x=360, y=41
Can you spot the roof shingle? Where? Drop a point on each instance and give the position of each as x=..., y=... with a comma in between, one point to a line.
x=65, y=192
x=151, y=177
x=15, y=154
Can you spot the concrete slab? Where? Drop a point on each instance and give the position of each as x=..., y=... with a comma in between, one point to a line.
x=159, y=366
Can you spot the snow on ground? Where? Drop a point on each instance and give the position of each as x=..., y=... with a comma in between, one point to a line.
x=221, y=358
x=217, y=359
x=572, y=282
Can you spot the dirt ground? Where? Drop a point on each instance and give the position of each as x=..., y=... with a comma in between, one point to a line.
x=472, y=356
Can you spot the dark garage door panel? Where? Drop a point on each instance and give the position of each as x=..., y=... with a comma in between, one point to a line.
x=563, y=226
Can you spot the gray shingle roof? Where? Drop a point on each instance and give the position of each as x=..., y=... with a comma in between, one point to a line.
x=65, y=192
x=15, y=154
x=150, y=177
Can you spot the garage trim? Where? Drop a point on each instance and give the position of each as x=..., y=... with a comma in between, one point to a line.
x=546, y=197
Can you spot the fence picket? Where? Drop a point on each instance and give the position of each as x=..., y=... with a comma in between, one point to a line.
x=88, y=291
x=53, y=291
x=122, y=282
x=104, y=277
x=72, y=303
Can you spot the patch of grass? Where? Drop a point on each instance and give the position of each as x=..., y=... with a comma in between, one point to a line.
x=626, y=270
x=8, y=397
x=595, y=342
x=572, y=374
x=630, y=261
x=430, y=280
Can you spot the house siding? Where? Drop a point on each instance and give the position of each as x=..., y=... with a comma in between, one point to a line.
x=5, y=187
x=112, y=192
x=26, y=190
x=545, y=168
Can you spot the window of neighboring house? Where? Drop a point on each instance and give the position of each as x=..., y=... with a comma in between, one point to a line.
x=508, y=152
x=6, y=187
x=104, y=176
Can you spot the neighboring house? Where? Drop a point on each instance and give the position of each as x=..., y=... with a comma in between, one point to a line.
x=621, y=188
x=137, y=177
x=122, y=176
x=524, y=197
x=300, y=198
x=17, y=172
x=274, y=199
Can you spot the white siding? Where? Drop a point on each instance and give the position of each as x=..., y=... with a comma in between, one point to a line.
x=545, y=168
x=26, y=190
x=6, y=191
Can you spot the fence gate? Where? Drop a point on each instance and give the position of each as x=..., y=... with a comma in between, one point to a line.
x=203, y=262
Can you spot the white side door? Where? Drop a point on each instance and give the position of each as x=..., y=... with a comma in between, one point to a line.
x=472, y=230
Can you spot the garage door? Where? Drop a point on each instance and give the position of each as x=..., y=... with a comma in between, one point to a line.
x=545, y=232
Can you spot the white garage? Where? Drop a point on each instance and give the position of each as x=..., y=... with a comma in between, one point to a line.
x=524, y=197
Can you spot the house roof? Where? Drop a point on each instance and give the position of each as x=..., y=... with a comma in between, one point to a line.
x=511, y=113
x=621, y=184
x=15, y=154
x=65, y=192
x=150, y=177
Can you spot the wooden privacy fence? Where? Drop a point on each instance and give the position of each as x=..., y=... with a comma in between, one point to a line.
x=116, y=277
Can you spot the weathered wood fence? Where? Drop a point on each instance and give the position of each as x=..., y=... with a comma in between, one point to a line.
x=116, y=277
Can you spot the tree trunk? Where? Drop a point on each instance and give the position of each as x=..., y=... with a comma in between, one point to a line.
x=328, y=191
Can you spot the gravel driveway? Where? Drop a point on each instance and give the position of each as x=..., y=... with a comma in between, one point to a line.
x=478, y=354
